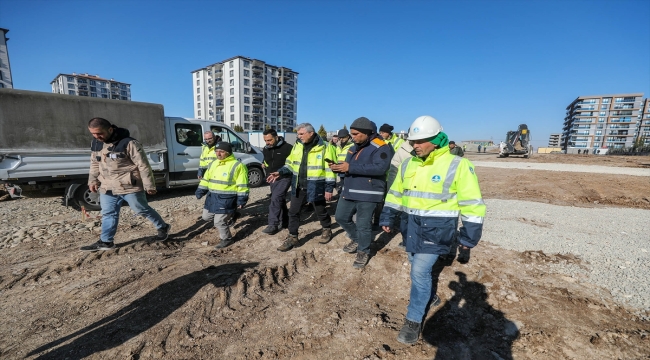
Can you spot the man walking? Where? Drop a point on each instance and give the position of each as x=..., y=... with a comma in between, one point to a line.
x=207, y=152
x=226, y=185
x=275, y=153
x=432, y=188
x=364, y=186
x=120, y=171
x=455, y=150
x=312, y=182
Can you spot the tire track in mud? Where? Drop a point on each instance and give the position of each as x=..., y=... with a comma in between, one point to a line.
x=35, y=274
x=214, y=309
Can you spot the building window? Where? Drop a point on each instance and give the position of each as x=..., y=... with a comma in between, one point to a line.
x=247, y=73
x=232, y=82
x=232, y=99
x=199, y=112
x=272, y=112
x=273, y=88
x=124, y=98
x=198, y=82
x=232, y=117
x=124, y=93
x=198, y=105
x=247, y=63
x=198, y=90
x=232, y=73
x=71, y=92
x=273, y=96
x=247, y=91
x=247, y=100
x=123, y=87
x=274, y=80
x=231, y=64
x=197, y=75
x=232, y=109
x=70, y=78
x=104, y=96
x=93, y=95
x=247, y=108
x=92, y=82
x=70, y=86
x=198, y=97
x=247, y=126
x=247, y=82
x=232, y=91
x=247, y=117
x=92, y=88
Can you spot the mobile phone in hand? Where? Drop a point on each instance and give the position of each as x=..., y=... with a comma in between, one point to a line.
x=330, y=161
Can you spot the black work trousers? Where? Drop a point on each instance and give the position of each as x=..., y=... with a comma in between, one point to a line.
x=294, y=211
x=278, y=212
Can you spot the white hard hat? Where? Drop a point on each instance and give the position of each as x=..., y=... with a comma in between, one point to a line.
x=424, y=127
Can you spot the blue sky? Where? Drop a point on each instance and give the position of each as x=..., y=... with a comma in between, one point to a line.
x=480, y=67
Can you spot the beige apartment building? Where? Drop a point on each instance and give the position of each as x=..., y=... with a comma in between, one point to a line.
x=599, y=121
x=246, y=92
x=91, y=86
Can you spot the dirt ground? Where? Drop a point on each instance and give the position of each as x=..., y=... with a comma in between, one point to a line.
x=182, y=299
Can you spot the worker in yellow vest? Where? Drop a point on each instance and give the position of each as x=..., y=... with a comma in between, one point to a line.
x=344, y=144
x=432, y=188
x=207, y=151
x=226, y=185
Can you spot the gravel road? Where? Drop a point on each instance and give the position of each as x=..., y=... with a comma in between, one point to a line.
x=565, y=167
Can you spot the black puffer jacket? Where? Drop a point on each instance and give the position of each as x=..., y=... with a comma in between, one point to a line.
x=276, y=156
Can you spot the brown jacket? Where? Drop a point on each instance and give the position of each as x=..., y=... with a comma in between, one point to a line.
x=120, y=165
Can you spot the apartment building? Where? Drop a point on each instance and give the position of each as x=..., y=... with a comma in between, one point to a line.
x=644, y=124
x=90, y=85
x=611, y=121
x=246, y=92
x=6, y=80
x=554, y=140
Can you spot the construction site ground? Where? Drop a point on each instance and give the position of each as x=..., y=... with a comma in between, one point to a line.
x=182, y=299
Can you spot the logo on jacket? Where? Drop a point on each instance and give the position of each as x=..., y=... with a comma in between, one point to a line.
x=435, y=178
x=224, y=174
x=318, y=157
x=471, y=169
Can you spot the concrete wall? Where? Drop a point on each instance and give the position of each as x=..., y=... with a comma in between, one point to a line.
x=35, y=121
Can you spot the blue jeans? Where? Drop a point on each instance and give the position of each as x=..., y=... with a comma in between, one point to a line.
x=111, y=212
x=421, y=285
x=361, y=231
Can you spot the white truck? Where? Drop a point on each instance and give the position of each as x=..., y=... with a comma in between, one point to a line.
x=45, y=143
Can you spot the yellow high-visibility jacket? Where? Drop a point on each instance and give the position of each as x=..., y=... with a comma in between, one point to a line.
x=395, y=141
x=342, y=152
x=226, y=184
x=314, y=174
x=432, y=193
x=207, y=156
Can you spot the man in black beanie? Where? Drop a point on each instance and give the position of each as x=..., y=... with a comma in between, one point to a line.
x=364, y=186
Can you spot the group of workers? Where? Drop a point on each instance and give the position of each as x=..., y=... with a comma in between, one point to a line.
x=419, y=187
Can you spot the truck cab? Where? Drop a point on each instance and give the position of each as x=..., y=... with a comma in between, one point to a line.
x=184, y=139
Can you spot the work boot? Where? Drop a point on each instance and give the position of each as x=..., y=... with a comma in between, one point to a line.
x=224, y=243
x=289, y=243
x=410, y=332
x=271, y=230
x=361, y=260
x=325, y=236
x=99, y=245
x=163, y=233
x=351, y=248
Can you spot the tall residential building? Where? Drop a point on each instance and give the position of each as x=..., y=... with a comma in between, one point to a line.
x=246, y=92
x=602, y=121
x=554, y=140
x=644, y=124
x=6, y=80
x=90, y=85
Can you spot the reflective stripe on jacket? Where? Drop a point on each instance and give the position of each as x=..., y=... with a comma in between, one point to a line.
x=320, y=178
x=226, y=184
x=365, y=179
x=433, y=192
x=395, y=141
x=208, y=155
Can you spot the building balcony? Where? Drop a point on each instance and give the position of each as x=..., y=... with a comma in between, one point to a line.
x=259, y=68
x=258, y=94
x=218, y=103
x=257, y=86
x=218, y=73
x=218, y=80
x=258, y=77
x=257, y=102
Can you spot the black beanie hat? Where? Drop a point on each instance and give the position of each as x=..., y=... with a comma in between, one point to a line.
x=386, y=128
x=224, y=146
x=363, y=125
x=343, y=133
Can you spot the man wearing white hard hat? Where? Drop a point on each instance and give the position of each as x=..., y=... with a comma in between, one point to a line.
x=431, y=189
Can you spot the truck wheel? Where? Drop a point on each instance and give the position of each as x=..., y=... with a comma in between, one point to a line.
x=255, y=177
x=87, y=199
